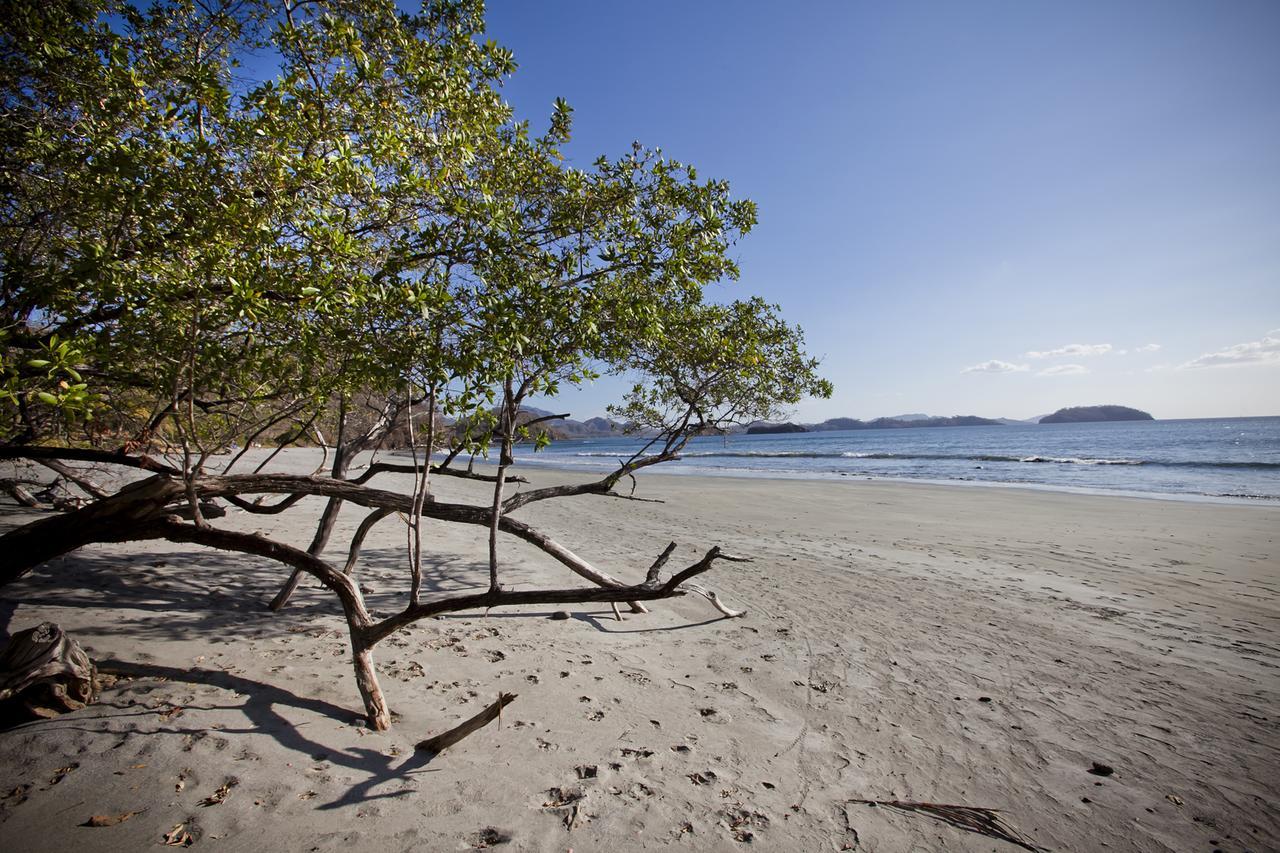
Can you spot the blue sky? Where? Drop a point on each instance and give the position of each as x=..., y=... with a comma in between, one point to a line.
x=982, y=208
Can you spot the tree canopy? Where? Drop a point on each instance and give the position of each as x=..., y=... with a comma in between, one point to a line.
x=180, y=232
x=221, y=218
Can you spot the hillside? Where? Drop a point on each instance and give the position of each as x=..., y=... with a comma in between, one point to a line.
x=909, y=422
x=1089, y=414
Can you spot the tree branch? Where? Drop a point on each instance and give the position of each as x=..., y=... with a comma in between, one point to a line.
x=649, y=590
x=85, y=454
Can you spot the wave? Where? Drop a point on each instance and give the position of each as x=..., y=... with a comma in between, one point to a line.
x=732, y=454
x=956, y=457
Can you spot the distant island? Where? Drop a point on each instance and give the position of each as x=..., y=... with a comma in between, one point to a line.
x=900, y=422
x=567, y=428
x=1089, y=414
x=771, y=429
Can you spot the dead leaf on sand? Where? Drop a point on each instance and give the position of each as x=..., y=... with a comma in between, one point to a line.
x=61, y=772
x=179, y=836
x=219, y=795
x=110, y=819
x=18, y=794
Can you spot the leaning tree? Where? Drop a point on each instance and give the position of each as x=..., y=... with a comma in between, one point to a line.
x=199, y=253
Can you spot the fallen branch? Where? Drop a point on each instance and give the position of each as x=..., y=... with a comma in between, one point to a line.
x=650, y=590
x=86, y=485
x=443, y=741
x=969, y=818
x=18, y=491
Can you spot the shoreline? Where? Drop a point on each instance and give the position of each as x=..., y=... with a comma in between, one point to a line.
x=1220, y=459
x=903, y=641
x=1269, y=501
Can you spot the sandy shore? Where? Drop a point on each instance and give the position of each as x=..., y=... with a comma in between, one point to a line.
x=904, y=642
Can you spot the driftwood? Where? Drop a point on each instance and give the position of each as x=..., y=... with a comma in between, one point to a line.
x=441, y=742
x=19, y=492
x=710, y=595
x=44, y=673
x=970, y=818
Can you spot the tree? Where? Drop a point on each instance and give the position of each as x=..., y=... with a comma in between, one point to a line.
x=193, y=261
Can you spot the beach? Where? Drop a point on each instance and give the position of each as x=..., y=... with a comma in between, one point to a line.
x=905, y=642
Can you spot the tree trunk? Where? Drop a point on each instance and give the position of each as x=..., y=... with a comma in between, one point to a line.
x=328, y=519
x=101, y=521
x=493, y=527
x=44, y=673
x=375, y=703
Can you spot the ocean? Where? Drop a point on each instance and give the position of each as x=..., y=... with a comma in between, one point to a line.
x=1224, y=458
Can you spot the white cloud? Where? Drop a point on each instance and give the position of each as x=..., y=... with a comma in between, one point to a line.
x=996, y=366
x=1147, y=348
x=1265, y=351
x=1064, y=370
x=1073, y=350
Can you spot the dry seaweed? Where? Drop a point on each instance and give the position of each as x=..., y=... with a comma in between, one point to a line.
x=970, y=818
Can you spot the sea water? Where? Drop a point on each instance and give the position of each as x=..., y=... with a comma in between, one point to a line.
x=1225, y=458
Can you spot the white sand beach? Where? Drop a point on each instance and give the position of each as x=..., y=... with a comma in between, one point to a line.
x=946, y=644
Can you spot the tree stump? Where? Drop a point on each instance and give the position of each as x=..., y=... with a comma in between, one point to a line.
x=44, y=673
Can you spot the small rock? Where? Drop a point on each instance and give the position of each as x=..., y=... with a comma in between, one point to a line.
x=560, y=615
x=1099, y=769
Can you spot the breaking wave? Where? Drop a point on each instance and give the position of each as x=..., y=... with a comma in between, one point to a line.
x=981, y=457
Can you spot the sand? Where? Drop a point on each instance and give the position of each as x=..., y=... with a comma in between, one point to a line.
x=950, y=644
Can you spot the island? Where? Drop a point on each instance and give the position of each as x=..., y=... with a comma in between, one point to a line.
x=770, y=429
x=901, y=422
x=1089, y=414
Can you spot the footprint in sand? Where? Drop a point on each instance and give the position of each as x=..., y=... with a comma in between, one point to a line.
x=487, y=837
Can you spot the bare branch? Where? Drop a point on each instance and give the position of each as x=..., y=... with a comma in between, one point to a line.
x=85, y=454
x=357, y=541
x=87, y=486
x=647, y=591
x=652, y=576
x=258, y=509
x=444, y=740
